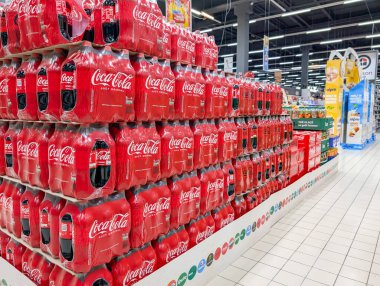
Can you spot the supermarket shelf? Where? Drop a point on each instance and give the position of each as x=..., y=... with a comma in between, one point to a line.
x=203, y=262
x=39, y=251
x=47, y=191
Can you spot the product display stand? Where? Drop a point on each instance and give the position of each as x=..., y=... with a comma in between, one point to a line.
x=206, y=260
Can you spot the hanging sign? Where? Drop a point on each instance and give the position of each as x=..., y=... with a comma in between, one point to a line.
x=229, y=64
x=369, y=63
x=179, y=12
x=278, y=76
x=266, y=53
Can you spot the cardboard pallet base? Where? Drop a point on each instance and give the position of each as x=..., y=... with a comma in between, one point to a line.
x=203, y=262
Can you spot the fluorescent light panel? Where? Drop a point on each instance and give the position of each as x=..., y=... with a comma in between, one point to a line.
x=276, y=37
x=295, y=12
x=331, y=42
x=290, y=47
x=318, y=31
x=206, y=31
x=373, y=36
x=351, y=1
x=286, y=63
x=369, y=23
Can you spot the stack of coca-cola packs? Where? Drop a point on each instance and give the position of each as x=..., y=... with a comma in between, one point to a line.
x=115, y=163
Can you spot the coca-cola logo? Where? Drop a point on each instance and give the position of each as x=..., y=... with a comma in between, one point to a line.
x=25, y=210
x=227, y=220
x=118, y=222
x=34, y=274
x=4, y=86
x=29, y=8
x=103, y=155
x=161, y=205
x=173, y=253
x=143, y=148
x=204, y=234
x=32, y=150
x=8, y=204
x=230, y=136
x=148, y=18
x=42, y=81
x=209, y=139
x=8, y=147
x=64, y=155
x=182, y=143
x=186, y=45
x=118, y=80
x=190, y=195
x=133, y=275
x=206, y=51
x=162, y=84
x=214, y=186
x=195, y=88
x=22, y=149
x=68, y=79
x=222, y=90
x=2, y=199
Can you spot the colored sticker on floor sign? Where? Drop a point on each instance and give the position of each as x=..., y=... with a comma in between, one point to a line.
x=250, y=229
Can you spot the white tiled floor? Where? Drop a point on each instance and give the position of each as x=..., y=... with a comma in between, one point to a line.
x=331, y=238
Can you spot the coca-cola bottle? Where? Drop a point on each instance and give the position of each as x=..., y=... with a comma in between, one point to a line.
x=30, y=202
x=110, y=20
x=13, y=211
x=48, y=80
x=11, y=15
x=11, y=86
x=89, y=7
x=14, y=253
x=4, y=240
x=3, y=130
x=10, y=149
x=26, y=88
x=3, y=30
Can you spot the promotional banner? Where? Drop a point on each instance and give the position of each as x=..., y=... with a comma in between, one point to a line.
x=266, y=53
x=229, y=64
x=334, y=93
x=179, y=11
x=369, y=63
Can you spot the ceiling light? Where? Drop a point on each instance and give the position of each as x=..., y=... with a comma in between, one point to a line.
x=375, y=46
x=228, y=55
x=316, y=73
x=316, y=60
x=330, y=42
x=208, y=16
x=351, y=1
x=373, y=36
x=232, y=44
x=250, y=61
x=285, y=72
x=296, y=68
x=252, y=21
x=293, y=75
x=298, y=55
x=255, y=52
x=310, y=54
x=276, y=37
x=274, y=58
x=296, y=12
x=196, y=12
x=235, y=25
x=290, y=47
x=273, y=70
x=287, y=63
x=258, y=66
x=318, y=31
x=369, y=23
x=206, y=31
x=220, y=64
x=261, y=74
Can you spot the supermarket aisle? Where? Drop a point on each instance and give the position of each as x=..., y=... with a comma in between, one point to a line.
x=331, y=238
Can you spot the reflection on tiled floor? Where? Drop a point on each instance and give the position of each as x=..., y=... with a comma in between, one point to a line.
x=331, y=238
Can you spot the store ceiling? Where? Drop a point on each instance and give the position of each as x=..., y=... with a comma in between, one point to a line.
x=317, y=21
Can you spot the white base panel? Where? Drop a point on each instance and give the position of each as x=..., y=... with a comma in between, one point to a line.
x=10, y=276
x=205, y=261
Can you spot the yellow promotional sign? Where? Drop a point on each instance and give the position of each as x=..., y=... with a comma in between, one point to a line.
x=334, y=93
x=179, y=12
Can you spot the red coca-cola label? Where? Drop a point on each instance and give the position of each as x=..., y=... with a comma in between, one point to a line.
x=103, y=157
x=219, y=90
x=66, y=230
x=61, y=7
x=213, y=186
x=4, y=87
x=42, y=83
x=186, y=45
x=29, y=8
x=145, y=148
x=67, y=80
x=25, y=211
x=193, y=88
x=133, y=275
x=44, y=219
x=227, y=220
x=153, y=209
x=109, y=14
x=119, y=80
x=119, y=221
x=21, y=88
x=190, y=195
x=182, y=143
x=65, y=155
x=8, y=148
x=173, y=253
x=161, y=84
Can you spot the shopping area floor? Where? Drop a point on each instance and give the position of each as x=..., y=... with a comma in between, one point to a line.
x=331, y=238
